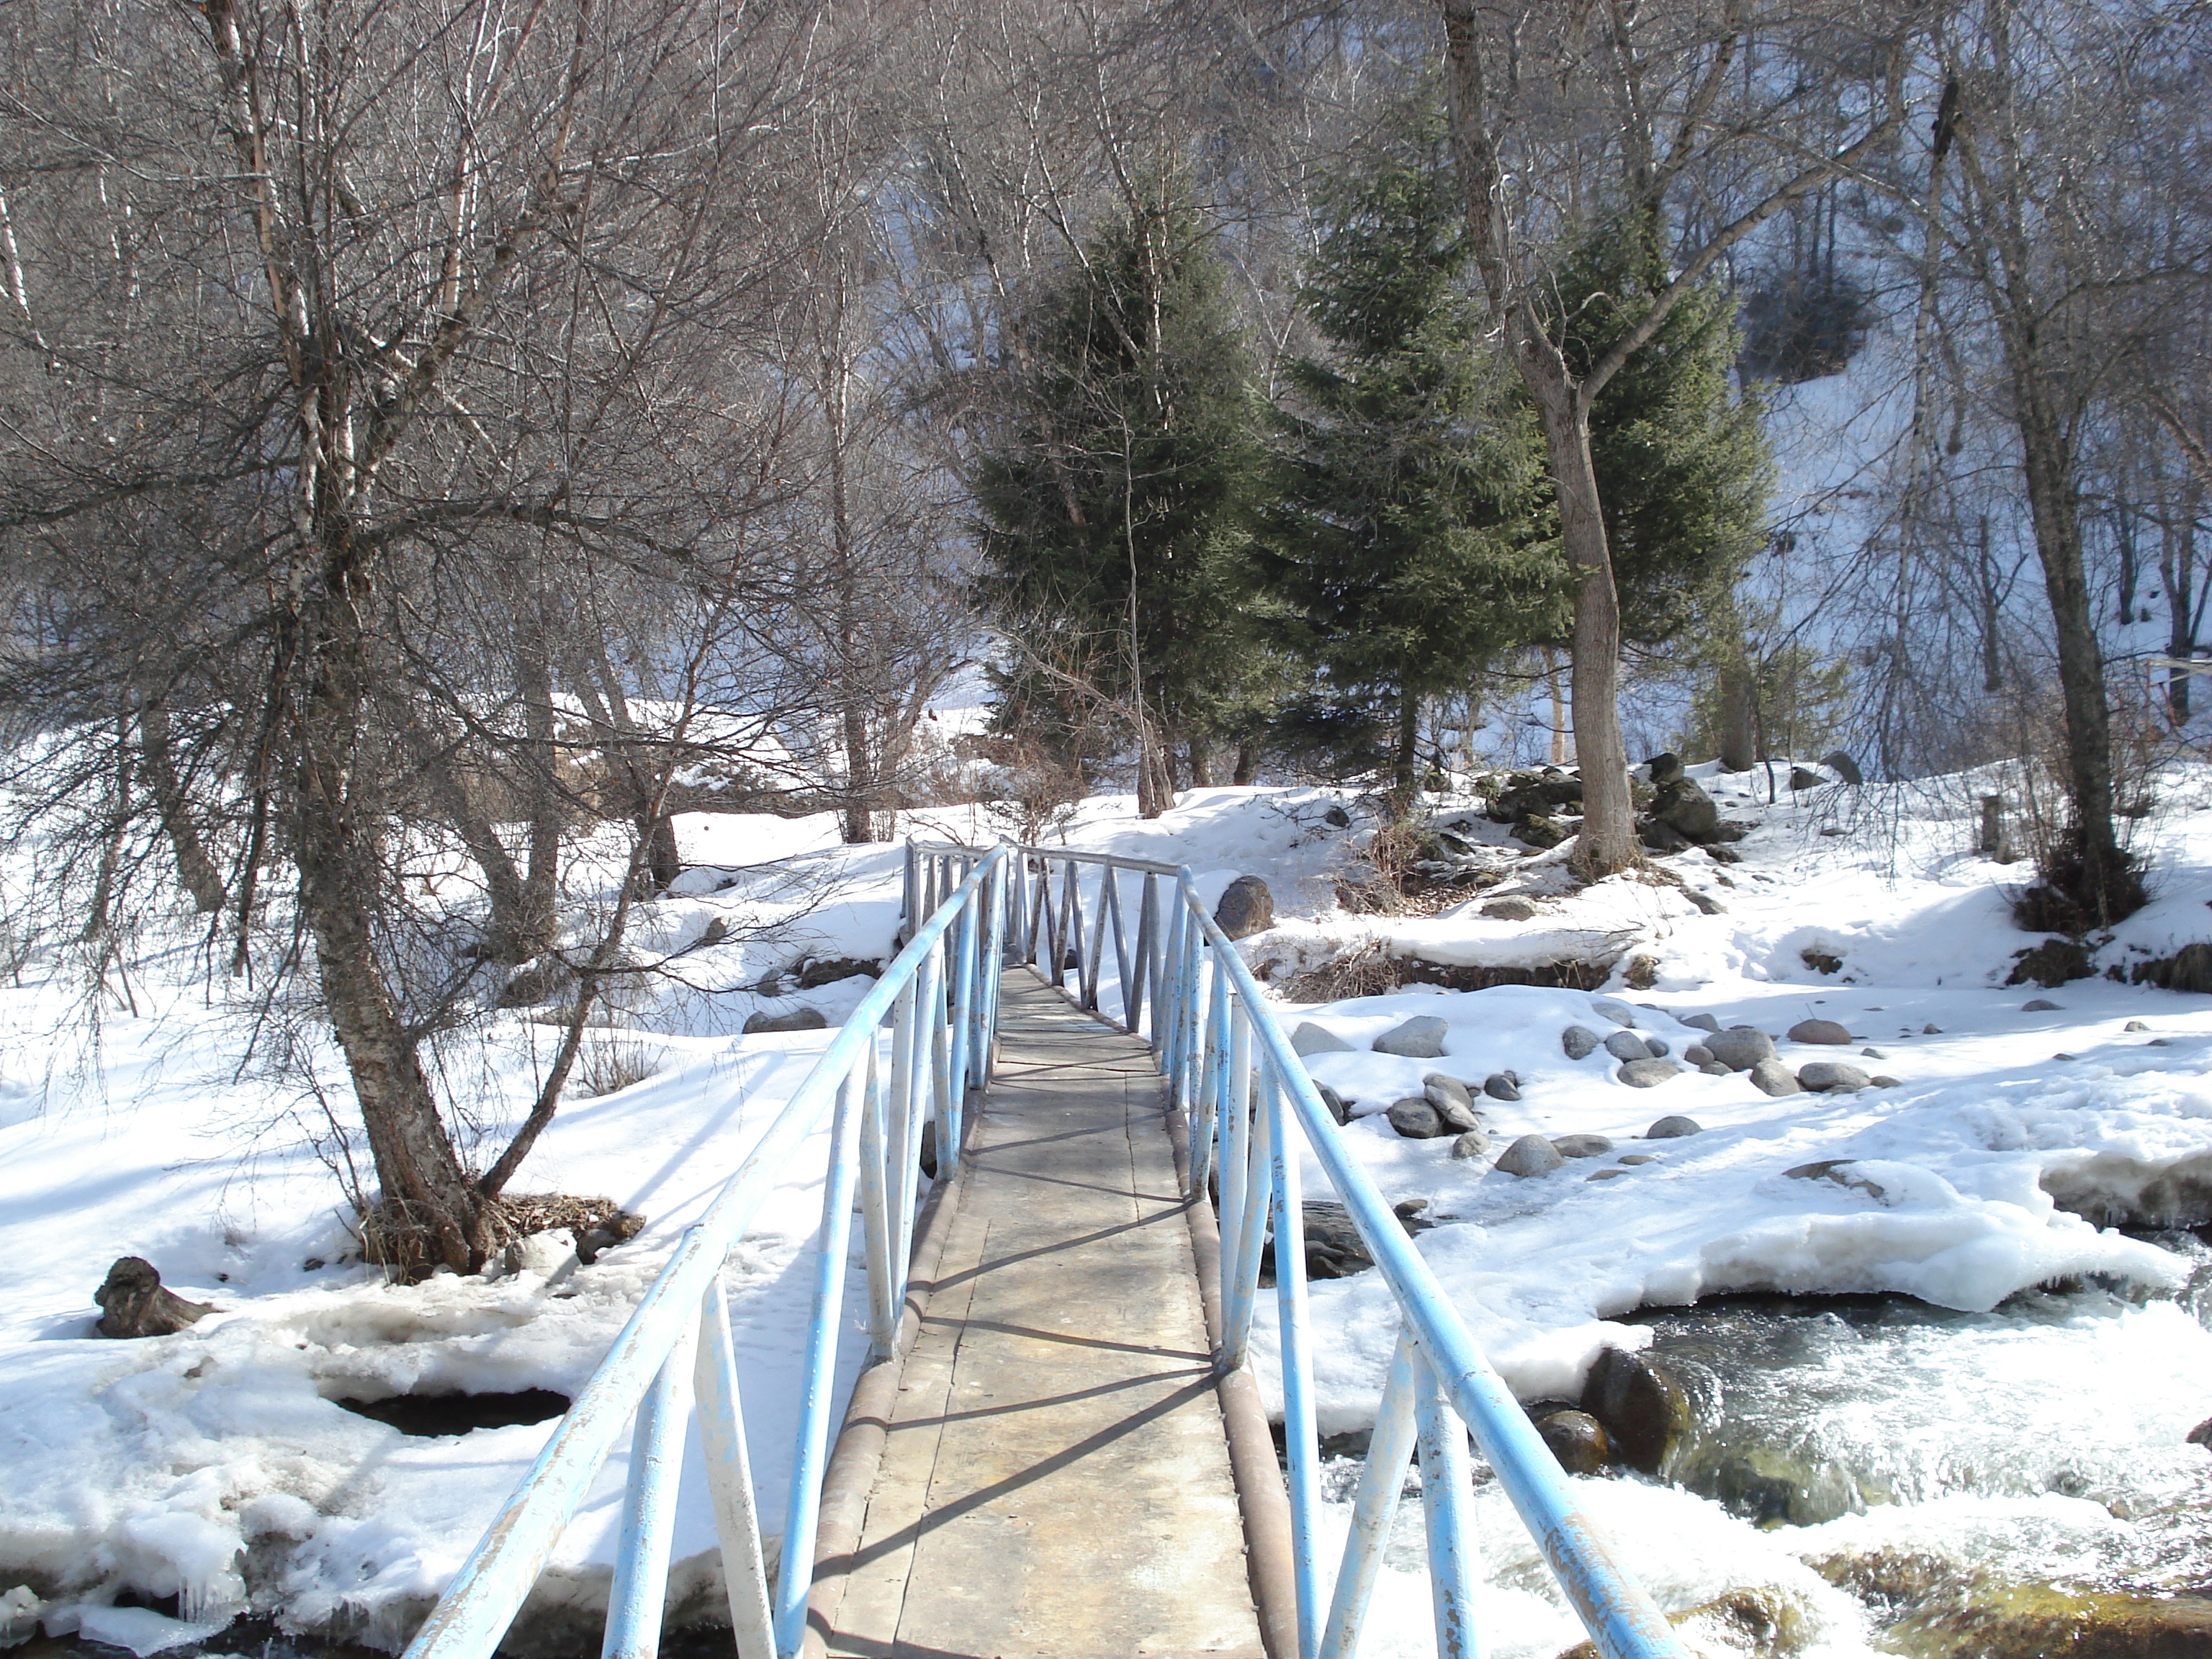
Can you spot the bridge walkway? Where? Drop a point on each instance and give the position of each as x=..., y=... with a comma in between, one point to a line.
x=1056, y=1480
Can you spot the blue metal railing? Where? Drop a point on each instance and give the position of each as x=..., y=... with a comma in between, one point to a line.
x=1230, y=1066
x=1176, y=979
x=940, y=997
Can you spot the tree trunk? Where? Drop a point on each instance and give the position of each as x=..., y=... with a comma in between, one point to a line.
x=1247, y=765
x=1201, y=762
x=1737, y=753
x=541, y=873
x=2107, y=887
x=429, y=1212
x=195, y=869
x=1607, y=841
x=860, y=778
x=1406, y=761
x=1737, y=692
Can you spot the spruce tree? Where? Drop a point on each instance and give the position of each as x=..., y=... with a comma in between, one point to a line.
x=1407, y=547
x=1117, y=506
x=1683, y=466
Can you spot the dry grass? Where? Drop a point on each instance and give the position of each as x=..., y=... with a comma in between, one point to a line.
x=614, y=1060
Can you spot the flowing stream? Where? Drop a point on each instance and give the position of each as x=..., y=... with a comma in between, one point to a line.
x=1869, y=1474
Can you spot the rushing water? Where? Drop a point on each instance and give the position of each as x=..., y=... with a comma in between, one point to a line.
x=1869, y=1474
x=1859, y=1475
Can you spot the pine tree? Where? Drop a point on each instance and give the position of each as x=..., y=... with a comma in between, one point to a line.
x=1118, y=506
x=1406, y=549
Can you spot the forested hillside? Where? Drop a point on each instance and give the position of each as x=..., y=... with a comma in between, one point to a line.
x=463, y=436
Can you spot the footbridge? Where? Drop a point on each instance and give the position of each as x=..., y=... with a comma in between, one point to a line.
x=1058, y=1447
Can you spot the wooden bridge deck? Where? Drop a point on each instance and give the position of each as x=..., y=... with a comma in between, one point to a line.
x=1056, y=1480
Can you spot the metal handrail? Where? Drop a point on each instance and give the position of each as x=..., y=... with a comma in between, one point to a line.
x=941, y=996
x=1229, y=1066
x=1182, y=982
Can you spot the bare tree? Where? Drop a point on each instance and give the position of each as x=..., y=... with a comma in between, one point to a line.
x=401, y=286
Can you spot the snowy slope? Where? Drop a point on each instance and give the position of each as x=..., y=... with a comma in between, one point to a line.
x=214, y=1465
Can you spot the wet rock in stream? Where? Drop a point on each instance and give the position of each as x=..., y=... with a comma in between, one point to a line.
x=1931, y=1607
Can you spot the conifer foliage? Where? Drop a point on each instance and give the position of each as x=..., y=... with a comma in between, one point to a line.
x=1682, y=462
x=1407, y=547
x=1117, y=506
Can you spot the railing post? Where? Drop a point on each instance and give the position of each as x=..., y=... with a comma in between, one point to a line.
x=962, y=961
x=1120, y=947
x=1214, y=1075
x=997, y=895
x=1094, y=967
x=795, y=1572
x=1175, y=1000
x=878, y=1214
x=639, y=1593
x=729, y=1480
x=1301, y=1447
x=1447, y=1494
x=1374, y=1506
x=905, y=1128
x=1071, y=931
x=1238, y=1295
x=945, y=1097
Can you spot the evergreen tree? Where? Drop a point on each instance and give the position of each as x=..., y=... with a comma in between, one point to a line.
x=1118, y=506
x=1407, y=547
x=1682, y=458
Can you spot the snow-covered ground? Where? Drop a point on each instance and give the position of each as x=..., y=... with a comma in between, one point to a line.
x=214, y=1465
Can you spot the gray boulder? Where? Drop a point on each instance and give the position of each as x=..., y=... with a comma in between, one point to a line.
x=1831, y=1076
x=1452, y=1105
x=1659, y=1046
x=2039, y=1006
x=1421, y=1037
x=1703, y=1021
x=1840, y=762
x=1800, y=779
x=817, y=971
x=1416, y=1119
x=1619, y=1012
x=798, y=1019
x=1510, y=909
x=1531, y=1155
x=1648, y=1073
x=1338, y=1106
x=1442, y=1090
x=1674, y=1126
x=1714, y=1068
x=1818, y=1030
x=1584, y=1146
x=1312, y=1039
x=1502, y=1085
x=1684, y=810
x=1698, y=1054
x=1740, y=1047
x=1475, y=1143
x=1246, y=907
x=1772, y=1077
x=1628, y=1045
x=1579, y=1041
